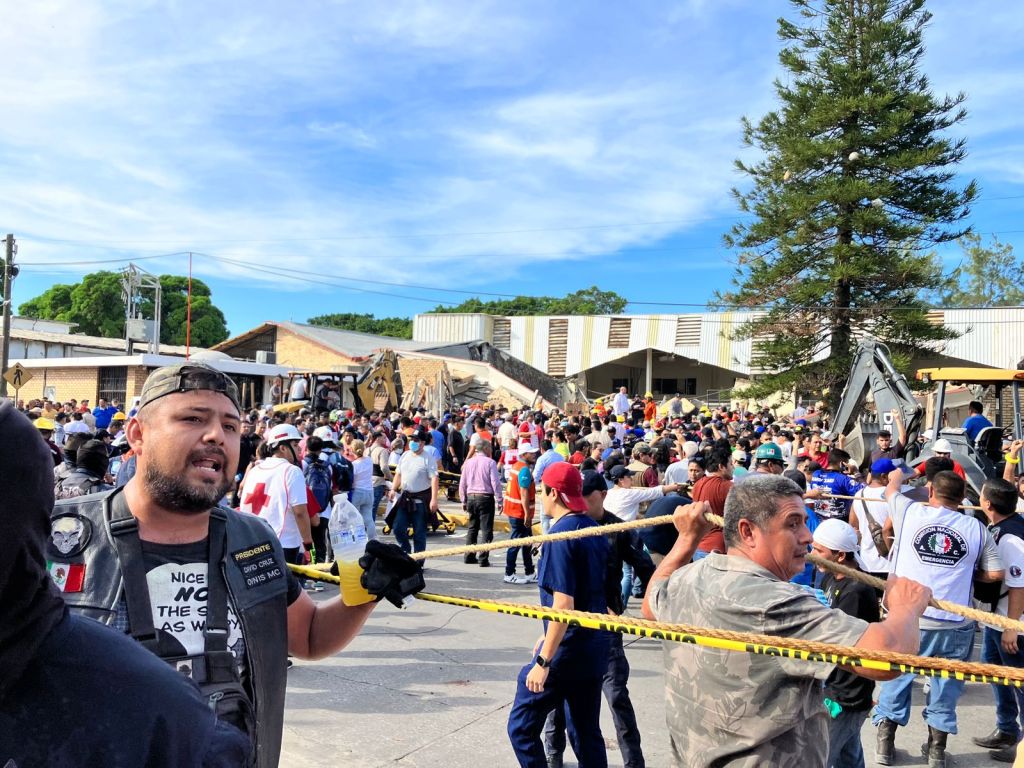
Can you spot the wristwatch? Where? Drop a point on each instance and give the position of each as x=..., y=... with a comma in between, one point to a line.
x=541, y=662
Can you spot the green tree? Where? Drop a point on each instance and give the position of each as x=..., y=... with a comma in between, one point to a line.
x=398, y=327
x=96, y=306
x=587, y=301
x=852, y=190
x=990, y=276
x=208, y=324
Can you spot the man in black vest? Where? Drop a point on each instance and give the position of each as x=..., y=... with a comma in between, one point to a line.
x=999, y=502
x=204, y=587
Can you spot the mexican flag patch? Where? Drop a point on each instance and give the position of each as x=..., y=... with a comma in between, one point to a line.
x=69, y=577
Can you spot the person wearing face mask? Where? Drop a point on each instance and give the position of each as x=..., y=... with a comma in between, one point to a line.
x=414, y=489
x=152, y=716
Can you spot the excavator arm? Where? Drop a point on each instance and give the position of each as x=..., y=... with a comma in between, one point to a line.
x=873, y=372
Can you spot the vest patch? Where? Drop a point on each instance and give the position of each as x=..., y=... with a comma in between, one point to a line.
x=939, y=545
x=258, y=565
x=69, y=535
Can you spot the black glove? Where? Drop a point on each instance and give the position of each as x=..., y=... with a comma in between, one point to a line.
x=390, y=573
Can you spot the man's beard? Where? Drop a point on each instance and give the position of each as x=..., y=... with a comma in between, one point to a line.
x=174, y=494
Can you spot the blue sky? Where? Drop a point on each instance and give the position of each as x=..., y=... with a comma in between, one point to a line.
x=529, y=147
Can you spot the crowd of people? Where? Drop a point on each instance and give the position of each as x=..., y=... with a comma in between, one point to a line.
x=780, y=481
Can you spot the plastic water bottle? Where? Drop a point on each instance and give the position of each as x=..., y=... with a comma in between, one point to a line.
x=348, y=539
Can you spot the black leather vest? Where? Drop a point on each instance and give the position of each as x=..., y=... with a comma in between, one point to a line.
x=85, y=565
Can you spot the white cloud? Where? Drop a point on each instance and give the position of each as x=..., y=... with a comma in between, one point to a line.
x=333, y=137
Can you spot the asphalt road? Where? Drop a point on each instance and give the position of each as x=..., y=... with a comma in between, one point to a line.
x=431, y=686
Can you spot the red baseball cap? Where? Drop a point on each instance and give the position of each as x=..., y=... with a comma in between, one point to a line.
x=567, y=480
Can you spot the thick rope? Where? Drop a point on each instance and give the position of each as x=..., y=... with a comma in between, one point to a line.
x=752, y=643
x=604, y=530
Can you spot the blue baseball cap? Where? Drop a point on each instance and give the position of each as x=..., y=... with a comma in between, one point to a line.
x=882, y=466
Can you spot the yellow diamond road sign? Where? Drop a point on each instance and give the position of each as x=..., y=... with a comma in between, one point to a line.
x=18, y=376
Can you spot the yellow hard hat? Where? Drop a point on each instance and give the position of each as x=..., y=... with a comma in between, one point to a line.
x=649, y=394
x=45, y=425
x=119, y=416
x=599, y=401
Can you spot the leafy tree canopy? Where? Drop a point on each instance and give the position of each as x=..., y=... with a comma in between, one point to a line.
x=587, y=301
x=398, y=327
x=990, y=276
x=96, y=306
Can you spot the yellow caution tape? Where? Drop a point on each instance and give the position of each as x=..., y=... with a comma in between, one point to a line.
x=626, y=626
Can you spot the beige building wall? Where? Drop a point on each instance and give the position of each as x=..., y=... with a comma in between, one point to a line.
x=298, y=352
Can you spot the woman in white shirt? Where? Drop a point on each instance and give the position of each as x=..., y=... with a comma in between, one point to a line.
x=362, y=486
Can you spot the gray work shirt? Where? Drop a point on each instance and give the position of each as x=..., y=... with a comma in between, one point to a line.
x=738, y=709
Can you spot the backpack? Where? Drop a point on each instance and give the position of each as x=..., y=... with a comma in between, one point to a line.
x=343, y=473
x=320, y=482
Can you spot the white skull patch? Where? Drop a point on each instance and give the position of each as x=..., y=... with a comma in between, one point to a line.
x=68, y=534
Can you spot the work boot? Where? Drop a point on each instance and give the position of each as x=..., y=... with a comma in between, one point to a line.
x=885, y=741
x=995, y=740
x=1004, y=755
x=935, y=748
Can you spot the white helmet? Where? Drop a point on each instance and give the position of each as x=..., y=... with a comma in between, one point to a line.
x=282, y=433
x=942, y=446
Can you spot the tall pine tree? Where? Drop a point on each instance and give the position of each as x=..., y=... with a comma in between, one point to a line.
x=854, y=189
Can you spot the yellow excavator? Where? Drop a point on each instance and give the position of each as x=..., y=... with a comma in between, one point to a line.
x=873, y=372
x=373, y=387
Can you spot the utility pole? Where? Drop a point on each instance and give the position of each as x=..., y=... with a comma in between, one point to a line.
x=10, y=272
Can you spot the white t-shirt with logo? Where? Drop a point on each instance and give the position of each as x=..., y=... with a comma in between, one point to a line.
x=878, y=507
x=271, y=488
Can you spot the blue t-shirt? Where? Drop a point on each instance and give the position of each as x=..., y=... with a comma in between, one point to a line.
x=577, y=567
x=103, y=416
x=837, y=483
x=974, y=424
x=806, y=577
x=437, y=440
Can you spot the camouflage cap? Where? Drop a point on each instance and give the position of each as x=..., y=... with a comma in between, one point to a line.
x=186, y=377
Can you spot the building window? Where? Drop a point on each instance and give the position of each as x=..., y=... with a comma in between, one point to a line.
x=113, y=384
x=665, y=386
x=618, y=384
x=618, y=333
x=502, y=333
x=689, y=387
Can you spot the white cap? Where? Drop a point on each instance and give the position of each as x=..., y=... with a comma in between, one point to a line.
x=836, y=535
x=942, y=446
x=525, y=446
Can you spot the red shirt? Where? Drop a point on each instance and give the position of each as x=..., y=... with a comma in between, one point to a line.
x=712, y=489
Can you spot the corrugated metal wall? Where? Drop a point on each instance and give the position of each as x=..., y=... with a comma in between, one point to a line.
x=993, y=337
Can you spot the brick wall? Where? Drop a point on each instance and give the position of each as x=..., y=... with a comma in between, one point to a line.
x=298, y=352
x=136, y=378
x=77, y=383
x=412, y=370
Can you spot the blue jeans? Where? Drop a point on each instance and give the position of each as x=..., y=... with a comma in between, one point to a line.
x=419, y=527
x=940, y=712
x=617, y=696
x=378, y=494
x=582, y=698
x=519, y=531
x=844, y=747
x=1009, y=701
x=362, y=499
